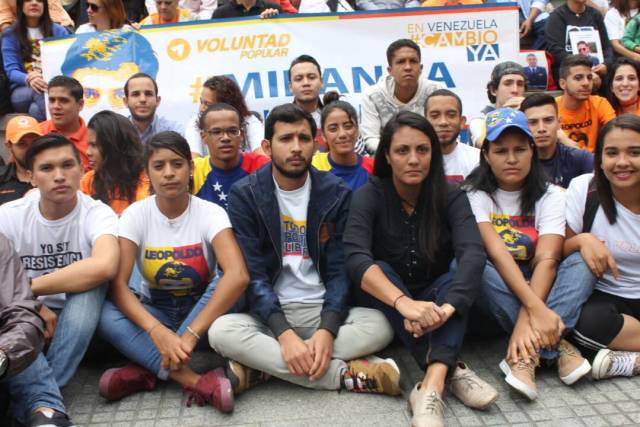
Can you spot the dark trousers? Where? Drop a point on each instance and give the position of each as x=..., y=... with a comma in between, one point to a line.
x=442, y=345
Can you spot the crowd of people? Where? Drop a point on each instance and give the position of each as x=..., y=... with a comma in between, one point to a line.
x=300, y=245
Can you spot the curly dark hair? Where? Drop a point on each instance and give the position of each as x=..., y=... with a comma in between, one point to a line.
x=228, y=92
x=122, y=157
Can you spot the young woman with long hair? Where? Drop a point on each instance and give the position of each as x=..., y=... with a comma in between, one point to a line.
x=521, y=218
x=104, y=15
x=407, y=230
x=623, y=86
x=22, y=57
x=176, y=240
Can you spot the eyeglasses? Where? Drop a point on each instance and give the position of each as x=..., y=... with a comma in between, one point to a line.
x=218, y=132
x=93, y=7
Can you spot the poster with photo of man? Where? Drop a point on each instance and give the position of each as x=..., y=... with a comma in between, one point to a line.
x=587, y=42
x=535, y=67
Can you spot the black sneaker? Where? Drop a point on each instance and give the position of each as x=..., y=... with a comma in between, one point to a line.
x=56, y=419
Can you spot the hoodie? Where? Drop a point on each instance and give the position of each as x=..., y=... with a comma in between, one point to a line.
x=379, y=104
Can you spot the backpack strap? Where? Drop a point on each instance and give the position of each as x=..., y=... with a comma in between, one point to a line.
x=591, y=206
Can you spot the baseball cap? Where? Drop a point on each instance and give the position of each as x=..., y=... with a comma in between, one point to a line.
x=504, y=68
x=497, y=121
x=20, y=126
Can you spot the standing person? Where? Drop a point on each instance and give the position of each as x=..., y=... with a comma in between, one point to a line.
x=603, y=225
x=560, y=162
x=505, y=90
x=623, y=86
x=15, y=179
x=104, y=15
x=66, y=100
x=213, y=175
x=67, y=245
x=221, y=89
x=443, y=110
x=176, y=241
x=339, y=125
x=289, y=219
x=168, y=12
x=115, y=155
x=22, y=58
x=533, y=297
x=581, y=114
x=412, y=278
x=403, y=89
x=142, y=98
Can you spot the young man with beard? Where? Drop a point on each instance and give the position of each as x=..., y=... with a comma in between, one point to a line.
x=561, y=163
x=14, y=177
x=443, y=110
x=289, y=219
x=402, y=89
x=142, y=99
x=581, y=114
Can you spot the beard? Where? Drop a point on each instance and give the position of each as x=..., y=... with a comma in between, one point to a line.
x=452, y=140
x=139, y=118
x=293, y=174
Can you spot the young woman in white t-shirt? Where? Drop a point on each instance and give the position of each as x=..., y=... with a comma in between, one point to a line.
x=522, y=223
x=175, y=239
x=610, y=320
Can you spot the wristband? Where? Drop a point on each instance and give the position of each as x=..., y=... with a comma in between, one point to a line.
x=395, y=301
x=192, y=332
x=152, y=328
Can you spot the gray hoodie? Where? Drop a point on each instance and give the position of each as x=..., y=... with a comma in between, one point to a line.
x=386, y=4
x=379, y=104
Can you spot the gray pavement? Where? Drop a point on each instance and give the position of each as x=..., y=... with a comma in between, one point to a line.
x=589, y=403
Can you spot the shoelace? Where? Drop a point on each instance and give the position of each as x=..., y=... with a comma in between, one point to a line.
x=195, y=396
x=568, y=349
x=362, y=382
x=622, y=364
x=433, y=404
x=468, y=379
x=524, y=366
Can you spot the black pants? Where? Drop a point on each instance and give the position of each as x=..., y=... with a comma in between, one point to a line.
x=601, y=321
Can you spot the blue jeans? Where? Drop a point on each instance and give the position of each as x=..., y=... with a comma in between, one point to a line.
x=442, y=345
x=573, y=285
x=26, y=100
x=176, y=313
x=33, y=388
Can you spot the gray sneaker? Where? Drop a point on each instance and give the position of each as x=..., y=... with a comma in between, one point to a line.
x=609, y=363
x=427, y=408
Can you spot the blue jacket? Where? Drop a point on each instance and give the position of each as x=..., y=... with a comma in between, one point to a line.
x=255, y=216
x=13, y=63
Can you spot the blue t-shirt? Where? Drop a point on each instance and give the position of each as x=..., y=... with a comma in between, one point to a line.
x=355, y=176
x=566, y=164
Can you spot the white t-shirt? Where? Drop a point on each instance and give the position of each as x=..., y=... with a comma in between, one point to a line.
x=520, y=232
x=299, y=280
x=460, y=163
x=46, y=246
x=174, y=255
x=614, y=23
x=254, y=134
x=621, y=238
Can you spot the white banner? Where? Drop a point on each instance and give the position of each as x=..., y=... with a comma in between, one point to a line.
x=460, y=46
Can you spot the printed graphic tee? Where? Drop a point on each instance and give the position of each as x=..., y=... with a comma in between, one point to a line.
x=174, y=255
x=520, y=232
x=46, y=246
x=622, y=239
x=460, y=163
x=582, y=125
x=299, y=280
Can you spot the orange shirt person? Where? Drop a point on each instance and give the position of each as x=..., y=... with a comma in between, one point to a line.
x=581, y=114
x=168, y=12
x=116, y=157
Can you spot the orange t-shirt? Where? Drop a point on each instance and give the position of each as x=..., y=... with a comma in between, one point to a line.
x=79, y=139
x=118, y=205
x=582, y=125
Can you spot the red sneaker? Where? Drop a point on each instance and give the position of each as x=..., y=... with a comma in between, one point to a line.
x=212, y=388
x=117, y=383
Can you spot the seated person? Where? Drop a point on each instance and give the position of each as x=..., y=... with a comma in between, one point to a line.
x=24, y=372
x=533, y=297
x=168, y=12
x=386, y=4
x=623, y=86
x=176, y=241
x=561, y=163
x=15, y=180
x=104, y=15
x=213, y=175
x=67, y=244
x=603, y=225
x=8, y=13
x=411, y=279
x=242, y=8
x=339, y=125
x=289, y=219
x=22, y=58
x=115, y=155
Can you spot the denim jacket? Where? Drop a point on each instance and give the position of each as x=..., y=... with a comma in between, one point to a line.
x=255, y=216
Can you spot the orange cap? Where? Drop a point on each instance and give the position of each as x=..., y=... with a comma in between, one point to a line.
x=20, y=126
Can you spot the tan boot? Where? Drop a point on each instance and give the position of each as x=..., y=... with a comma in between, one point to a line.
x=373, y=375
x=522, y=376
x=242, y=377
x=571, y=365
x=472, y=390
x=426, y=407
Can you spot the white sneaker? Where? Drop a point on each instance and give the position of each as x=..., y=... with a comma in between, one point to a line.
x=609, y=363
x=522, y=376
x=427, y=408
x=571, y=365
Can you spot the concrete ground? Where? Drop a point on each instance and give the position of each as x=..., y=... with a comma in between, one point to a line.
x=589, y=403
